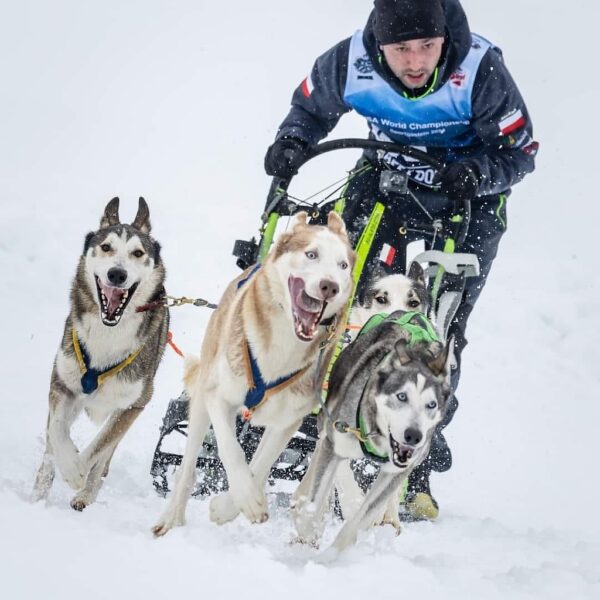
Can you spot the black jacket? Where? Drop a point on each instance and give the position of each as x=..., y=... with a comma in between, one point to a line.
x=499, y=160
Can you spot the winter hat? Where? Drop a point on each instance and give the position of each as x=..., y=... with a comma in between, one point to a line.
x=403, y=20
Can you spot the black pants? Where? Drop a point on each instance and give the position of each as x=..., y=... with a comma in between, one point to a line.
x=488, y=223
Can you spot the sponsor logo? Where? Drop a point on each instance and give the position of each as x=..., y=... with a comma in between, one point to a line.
x=458, y=79
x=363, y=65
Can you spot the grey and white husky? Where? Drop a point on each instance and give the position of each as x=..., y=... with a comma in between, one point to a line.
x=387, y=393
x=113, y=340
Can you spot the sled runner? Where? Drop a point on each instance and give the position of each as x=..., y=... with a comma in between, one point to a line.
x=446, y=270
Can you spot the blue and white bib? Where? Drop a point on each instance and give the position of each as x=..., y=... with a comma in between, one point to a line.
x=441, y=119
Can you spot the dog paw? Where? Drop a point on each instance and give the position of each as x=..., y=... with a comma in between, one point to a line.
x=73, y=471
x=254, y=506
x=223, y=509
x=79, y=502
x=313, y=543
x=393, y=520
x=167, y=522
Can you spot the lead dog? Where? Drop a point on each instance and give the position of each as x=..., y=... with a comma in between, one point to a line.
x=386, y=396
x=113, y=340
x=260, y=351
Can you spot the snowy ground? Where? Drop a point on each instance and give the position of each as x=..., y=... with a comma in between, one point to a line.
x=177, y=102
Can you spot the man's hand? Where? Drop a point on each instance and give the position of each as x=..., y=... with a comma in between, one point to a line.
x=285, y=156
x=458, y=180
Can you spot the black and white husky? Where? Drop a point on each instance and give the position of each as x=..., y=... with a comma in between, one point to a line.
x=387, y=392
x=113, y=340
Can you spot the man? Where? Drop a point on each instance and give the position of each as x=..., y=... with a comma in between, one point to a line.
x=421, y=78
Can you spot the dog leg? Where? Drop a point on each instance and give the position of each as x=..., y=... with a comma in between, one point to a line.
x=390, y=516
x=350, y=495
x=247, y=496
x=62, y=414
x=100, y=451
x=223, y=508
x=371, y=510
x=45, y=475
x=174, y=514
x=310, y=501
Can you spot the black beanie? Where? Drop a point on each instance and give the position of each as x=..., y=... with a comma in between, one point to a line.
x=402, y=20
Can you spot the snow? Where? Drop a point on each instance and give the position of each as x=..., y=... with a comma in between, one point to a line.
x=177, y=102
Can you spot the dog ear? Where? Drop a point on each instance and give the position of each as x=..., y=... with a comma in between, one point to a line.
x=443, y=362
x=111, y=214
x=142, y=219
x=416, y=273
x=88, y=240
x=300, y=220
x=336, y=223
x=401, y=349
x=156, y=253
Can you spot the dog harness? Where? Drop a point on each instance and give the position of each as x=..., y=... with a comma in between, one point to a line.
x=258, y=389
x=420, y=331
x=91, y=379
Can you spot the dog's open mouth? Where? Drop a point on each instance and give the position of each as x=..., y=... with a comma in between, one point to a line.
x=307, y=310
x=113, y=301
x=400, y=454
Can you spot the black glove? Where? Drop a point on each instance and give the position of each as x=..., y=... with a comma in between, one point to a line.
x=285, y=156
x=458, y=180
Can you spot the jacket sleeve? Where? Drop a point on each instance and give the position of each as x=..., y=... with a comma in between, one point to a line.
x=502, y=122
x=318, y=102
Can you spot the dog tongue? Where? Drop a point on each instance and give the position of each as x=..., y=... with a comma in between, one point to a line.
x=113, y=297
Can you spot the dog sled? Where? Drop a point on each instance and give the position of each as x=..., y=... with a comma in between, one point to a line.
x=446, y=270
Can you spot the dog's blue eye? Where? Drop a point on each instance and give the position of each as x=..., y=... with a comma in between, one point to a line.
x=311, y=254
x=431, y=404
x=401, y=396
x=343, y=265
x=105, y=247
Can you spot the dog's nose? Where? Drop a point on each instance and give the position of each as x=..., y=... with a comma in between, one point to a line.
x=412, y=436
x=328, y=288
x=117, y=276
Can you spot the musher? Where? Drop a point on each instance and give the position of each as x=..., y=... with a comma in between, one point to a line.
x=419, y=77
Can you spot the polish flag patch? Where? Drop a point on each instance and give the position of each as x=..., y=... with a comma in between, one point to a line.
x=387, y=254
x=512, y=122
x=307, y=87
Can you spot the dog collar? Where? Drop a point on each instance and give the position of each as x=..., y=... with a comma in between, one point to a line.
x=369, y=450
x=91, y=379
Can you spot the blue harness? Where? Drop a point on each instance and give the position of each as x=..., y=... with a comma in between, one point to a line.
x=260, y=390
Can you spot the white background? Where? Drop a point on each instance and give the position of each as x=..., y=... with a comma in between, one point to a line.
x=178, y=101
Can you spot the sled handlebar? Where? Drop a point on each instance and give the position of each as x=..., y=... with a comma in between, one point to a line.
x=277, y=192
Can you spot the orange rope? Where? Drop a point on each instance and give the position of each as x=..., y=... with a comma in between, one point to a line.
x=172, y=344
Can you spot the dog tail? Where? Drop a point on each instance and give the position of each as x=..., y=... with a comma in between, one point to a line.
x=191, y=370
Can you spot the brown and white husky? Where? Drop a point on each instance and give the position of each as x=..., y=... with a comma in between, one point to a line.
x=261, y=354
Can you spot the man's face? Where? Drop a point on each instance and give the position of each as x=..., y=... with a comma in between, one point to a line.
x=413, y=62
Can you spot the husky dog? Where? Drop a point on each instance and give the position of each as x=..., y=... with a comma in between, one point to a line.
x=383, y=294
x=113, y=341
x=389, y=293
x=264, y=351
x=386, y=396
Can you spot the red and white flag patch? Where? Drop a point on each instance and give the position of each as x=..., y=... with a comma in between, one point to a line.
x=512, y=122
x=387, y=254
x=307, y=87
